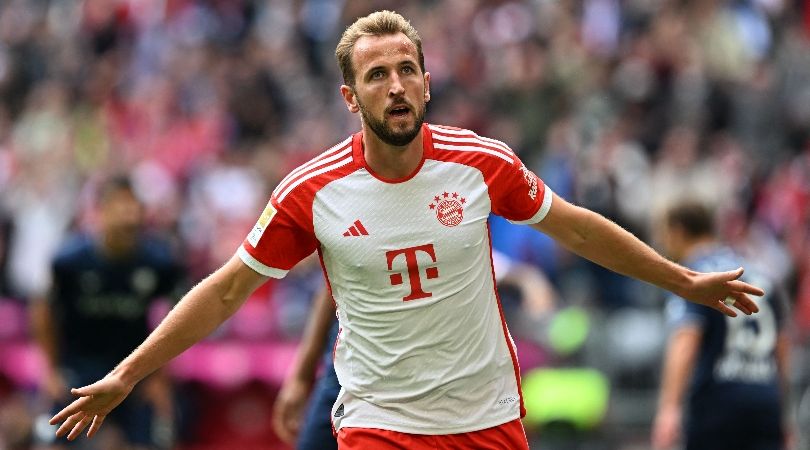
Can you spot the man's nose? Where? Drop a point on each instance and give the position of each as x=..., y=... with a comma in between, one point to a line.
x=396, y=88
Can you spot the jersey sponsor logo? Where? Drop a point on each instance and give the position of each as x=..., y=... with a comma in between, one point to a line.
x=531, y=180
x=261, y=225
x=357, y=229
x=414, y=273
x=507, y=400
x=449, y=208
x=340, y=411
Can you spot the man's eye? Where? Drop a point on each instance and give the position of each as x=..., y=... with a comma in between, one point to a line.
x=377, y=75
x=407, y=70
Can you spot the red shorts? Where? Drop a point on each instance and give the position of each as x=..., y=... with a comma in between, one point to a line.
x=509, y=436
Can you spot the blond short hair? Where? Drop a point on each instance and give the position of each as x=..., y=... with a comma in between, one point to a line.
x=379, y=23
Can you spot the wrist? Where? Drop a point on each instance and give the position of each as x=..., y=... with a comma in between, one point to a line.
x=681, y=282
x=126, y=374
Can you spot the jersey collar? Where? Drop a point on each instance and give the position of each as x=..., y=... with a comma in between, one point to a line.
x=360, y=160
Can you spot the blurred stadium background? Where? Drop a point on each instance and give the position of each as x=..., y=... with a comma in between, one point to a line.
x=619, y=105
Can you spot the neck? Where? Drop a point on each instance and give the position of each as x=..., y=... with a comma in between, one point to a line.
x=116, y=245
x=390, y=161
x=694, y=247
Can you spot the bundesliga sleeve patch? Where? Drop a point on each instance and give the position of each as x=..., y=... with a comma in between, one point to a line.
x=261, y=225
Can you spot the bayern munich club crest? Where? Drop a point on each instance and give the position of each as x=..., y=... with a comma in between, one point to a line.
x=449, y=208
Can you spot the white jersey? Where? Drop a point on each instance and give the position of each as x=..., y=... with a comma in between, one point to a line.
x=423, y=347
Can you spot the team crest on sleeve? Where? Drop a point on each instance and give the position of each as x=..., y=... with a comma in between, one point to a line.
x=531, y=180
x=449, y=208
x=261, y=224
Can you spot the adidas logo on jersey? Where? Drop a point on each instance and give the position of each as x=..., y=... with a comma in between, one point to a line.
x=357, y=229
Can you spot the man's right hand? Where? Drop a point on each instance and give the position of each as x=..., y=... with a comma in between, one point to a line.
x=288, y=410
x=91, y=408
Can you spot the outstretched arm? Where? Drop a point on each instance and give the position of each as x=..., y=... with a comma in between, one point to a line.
x=292, y=398
x=197, y=314
x=596, y=238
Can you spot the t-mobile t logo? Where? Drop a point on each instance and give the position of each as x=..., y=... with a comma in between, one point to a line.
x=414, y=276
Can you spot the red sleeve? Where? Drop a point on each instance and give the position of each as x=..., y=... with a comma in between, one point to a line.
x=517, y=194
x=281, y=238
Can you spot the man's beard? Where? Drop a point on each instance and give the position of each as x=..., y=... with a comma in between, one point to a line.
x=386, y=133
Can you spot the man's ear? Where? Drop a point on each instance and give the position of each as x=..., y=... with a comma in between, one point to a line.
x=350, y=98
x=427, y=87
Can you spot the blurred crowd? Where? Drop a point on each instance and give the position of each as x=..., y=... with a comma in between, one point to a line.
x=620, y=106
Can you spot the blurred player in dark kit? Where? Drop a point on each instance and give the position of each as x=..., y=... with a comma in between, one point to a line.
x=725, y=381
x=96, y=312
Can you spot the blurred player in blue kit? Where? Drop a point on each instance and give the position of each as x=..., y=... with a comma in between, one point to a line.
x=725, y=382
x=97, y=312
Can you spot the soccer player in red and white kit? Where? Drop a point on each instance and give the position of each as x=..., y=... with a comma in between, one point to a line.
x=398, y=215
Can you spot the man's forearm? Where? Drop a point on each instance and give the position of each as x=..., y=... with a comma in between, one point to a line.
x=314, y=339
x=197, y=314
x=601, y=240
x=598, y=239
x=678, y=364
x=44, y=331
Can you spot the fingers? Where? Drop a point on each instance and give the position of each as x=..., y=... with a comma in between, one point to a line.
x=745, y=304
x=742, y=302
x=735, y=274
x=85, y=391
x=69, y=424
x=68, y=411
x=742, y=308
x=720, y=306
x=77, y=405
x=77, y=423
x=97, y=421
x=90, y=389
x=742, y=286
x=80, y=426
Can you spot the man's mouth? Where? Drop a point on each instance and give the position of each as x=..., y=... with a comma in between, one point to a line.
x=399, y=111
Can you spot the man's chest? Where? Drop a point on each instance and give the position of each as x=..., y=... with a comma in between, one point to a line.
x=388, y=234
